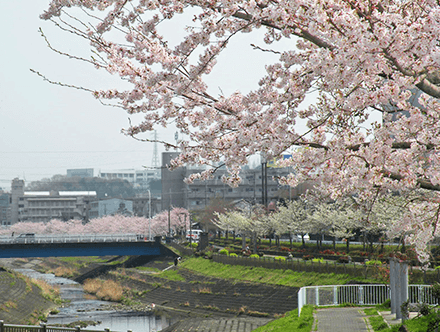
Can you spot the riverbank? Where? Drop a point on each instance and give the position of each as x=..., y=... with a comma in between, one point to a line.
x=21, y=300
x=195, y=298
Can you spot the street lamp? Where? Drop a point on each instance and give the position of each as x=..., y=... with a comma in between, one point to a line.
x=149, y=215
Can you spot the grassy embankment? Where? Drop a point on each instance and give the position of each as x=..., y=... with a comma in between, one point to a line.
x=267, y=276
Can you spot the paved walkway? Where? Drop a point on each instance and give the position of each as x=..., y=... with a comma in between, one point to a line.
x=340, y=320
x=349, y=320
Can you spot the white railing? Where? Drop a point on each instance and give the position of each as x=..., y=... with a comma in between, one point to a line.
x=77, y=238
x=358, y=294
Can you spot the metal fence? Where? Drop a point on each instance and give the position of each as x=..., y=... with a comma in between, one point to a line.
x=359, y=295
x=42, y=328
x=80, y=238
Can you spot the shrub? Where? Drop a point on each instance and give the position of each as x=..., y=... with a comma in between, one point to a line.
x=233, y=254
x=343, y=259
x=424, y=309
x=104, y=290
x=318, y=260
x=254, y=256
x=436, y=290
x=280, y=258
x=373, y=262
x=224, y=252
x=307, y=257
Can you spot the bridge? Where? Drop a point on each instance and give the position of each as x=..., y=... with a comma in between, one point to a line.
x=30, y=245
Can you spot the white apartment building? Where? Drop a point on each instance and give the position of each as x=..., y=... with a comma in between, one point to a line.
x=139, y=178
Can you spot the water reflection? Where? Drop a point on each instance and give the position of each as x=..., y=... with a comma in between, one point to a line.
x=81, y=308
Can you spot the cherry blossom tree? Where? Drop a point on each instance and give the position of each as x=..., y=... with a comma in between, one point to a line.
x=358, y=58
x=116, y=224
x=174, y=220
x=242, y=223
x=341, y=218
x=293, y=219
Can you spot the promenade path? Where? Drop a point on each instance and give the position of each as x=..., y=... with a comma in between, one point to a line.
x=340, y=320
x=349, y=320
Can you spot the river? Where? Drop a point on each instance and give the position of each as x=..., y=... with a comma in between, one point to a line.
x=83, y=308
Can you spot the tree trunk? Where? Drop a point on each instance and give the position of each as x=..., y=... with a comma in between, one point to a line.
x=243, y=241
x=334, y=243
x=348, y=245
x=403, y=248
x=254, y=242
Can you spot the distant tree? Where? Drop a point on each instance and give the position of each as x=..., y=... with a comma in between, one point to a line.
x=208, y=215
x=116, y=224
x=292, y=218
x=341, y=218
x=243, y=223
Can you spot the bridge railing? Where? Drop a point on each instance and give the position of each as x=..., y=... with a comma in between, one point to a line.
x=42, y=328
x=76, y=238
x=359, y=295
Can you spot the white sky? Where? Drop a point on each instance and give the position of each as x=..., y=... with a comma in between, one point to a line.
x=47, y=129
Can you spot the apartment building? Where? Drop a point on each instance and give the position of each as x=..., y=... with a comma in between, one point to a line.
x=42, y=206
x=110, y=206
x=139, y=178
x=255, y=186
x=5, y=211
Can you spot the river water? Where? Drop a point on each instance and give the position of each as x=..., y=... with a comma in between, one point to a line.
x=82, y=308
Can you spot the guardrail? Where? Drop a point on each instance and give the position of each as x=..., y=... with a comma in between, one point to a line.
x=42, y=328
x=359, y=294
x=77, y=238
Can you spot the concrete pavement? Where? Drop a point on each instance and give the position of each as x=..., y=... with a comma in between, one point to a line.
x=349, y=320
x=340, y=320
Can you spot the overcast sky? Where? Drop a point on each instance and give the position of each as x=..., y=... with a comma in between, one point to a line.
x=46, y=129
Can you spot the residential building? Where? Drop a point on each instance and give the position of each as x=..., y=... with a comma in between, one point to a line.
x=197, y=195
x=110, y=206
x=5, y=211
x=139, y=178
x=80, y=172
x=145, y=205
x=43, y=206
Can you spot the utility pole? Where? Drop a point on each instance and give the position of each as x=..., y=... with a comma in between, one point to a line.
x=264, y=183
x=169, y=217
